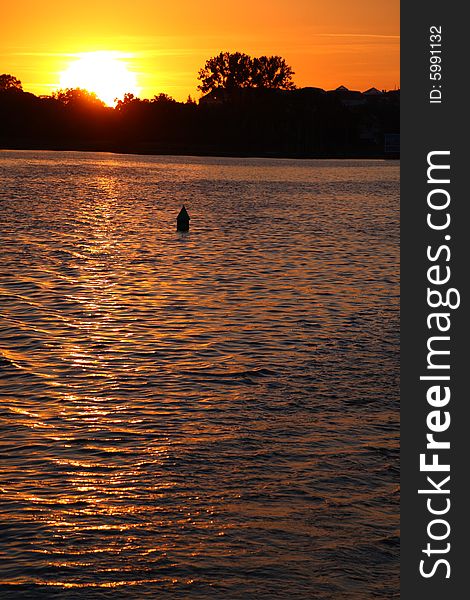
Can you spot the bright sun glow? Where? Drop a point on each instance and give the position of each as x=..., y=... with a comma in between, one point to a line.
x=102, y=73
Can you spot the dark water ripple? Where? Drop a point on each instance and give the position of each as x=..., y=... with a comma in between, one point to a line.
x=210, y=415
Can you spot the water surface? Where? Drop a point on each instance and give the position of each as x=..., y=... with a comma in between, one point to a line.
x=203, y=415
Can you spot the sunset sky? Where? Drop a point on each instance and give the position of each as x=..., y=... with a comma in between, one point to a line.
x=327, y=43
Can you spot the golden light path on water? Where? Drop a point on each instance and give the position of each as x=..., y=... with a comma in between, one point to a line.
x=207, y=415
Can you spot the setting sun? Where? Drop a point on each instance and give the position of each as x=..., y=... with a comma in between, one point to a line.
x=328, y=44
x=103, y=73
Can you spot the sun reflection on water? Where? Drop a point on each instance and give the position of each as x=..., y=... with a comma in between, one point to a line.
x=199, y=412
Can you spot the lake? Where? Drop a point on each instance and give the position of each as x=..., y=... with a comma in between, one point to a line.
x=212, y=414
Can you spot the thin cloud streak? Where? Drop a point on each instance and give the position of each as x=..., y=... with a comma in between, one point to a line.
x=360, y=35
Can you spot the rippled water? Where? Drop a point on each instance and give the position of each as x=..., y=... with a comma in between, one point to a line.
x=203, y=415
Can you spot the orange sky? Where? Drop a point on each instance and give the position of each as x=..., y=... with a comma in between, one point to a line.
x=327, y=42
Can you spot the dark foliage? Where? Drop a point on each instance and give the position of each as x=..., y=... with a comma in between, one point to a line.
x=233, y=121
x=8, y=82
x=229, y=71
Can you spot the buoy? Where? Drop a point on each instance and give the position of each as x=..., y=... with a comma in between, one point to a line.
x=182, y=220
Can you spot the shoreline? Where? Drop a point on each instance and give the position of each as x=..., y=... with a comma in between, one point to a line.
x=194, y=151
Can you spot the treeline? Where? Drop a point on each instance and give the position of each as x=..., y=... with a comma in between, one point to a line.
x=238, y=120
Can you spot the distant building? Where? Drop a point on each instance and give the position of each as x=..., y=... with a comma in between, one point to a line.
x=214, y=97
x=373, y=92
x=348, y=97
x=312, y=90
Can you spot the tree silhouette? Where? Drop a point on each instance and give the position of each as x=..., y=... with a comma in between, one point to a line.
x=8, y=82
x=272, y=72
x=252, y=121
x=77, y=96
x=226, y=71
x=126, y=101
x=163, y=99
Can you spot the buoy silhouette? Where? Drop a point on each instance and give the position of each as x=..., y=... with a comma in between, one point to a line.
x=182, y=220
